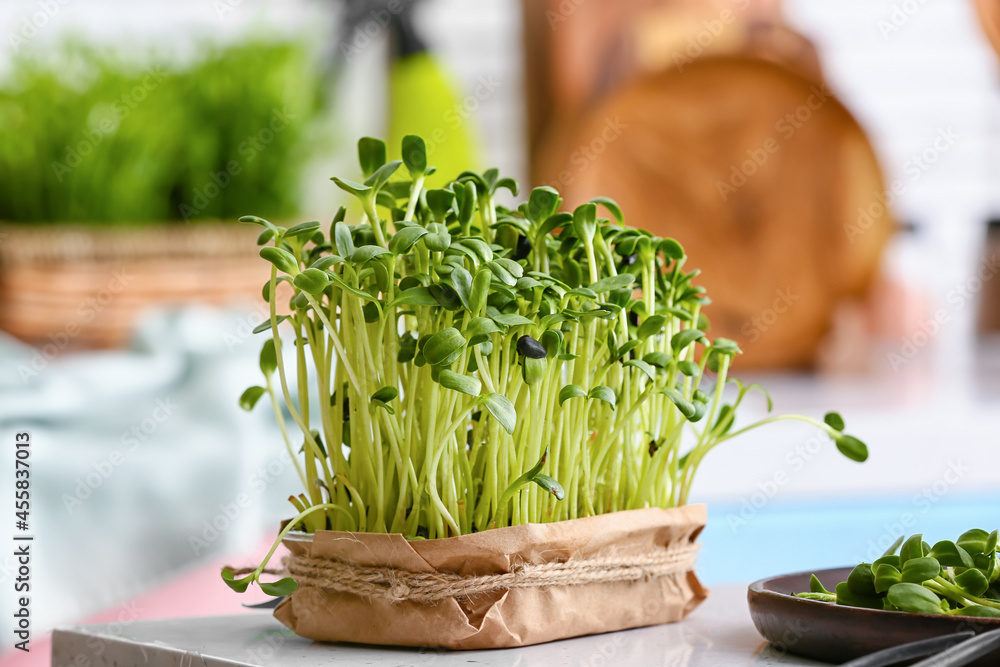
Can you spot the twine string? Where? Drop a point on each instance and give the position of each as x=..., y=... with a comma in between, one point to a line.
x=396, y=585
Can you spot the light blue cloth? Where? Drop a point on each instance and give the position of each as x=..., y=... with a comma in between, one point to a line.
x=134, y=455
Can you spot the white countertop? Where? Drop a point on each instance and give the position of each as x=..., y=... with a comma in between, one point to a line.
x=717, y=634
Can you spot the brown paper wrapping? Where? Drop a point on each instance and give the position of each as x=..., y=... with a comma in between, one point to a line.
x=505, y=618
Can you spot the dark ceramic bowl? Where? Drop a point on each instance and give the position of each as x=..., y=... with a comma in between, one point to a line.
x=834, y=633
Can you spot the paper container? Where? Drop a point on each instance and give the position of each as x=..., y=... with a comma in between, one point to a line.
x=502, y=618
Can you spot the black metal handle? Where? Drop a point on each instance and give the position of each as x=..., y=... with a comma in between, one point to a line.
x=966, y=652
x=911, y=651
x=266, y=604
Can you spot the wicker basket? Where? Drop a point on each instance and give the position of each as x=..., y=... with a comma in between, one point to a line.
x=83, y=287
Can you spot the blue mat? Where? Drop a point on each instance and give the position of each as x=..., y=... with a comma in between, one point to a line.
x=743, y=544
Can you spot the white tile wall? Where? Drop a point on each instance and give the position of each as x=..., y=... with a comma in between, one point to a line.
x=935, y=70
x=908, y=68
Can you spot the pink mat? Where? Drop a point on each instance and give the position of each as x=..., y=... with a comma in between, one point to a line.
x=199, y=592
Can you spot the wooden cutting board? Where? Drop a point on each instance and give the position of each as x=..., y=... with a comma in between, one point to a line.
x=764, y=177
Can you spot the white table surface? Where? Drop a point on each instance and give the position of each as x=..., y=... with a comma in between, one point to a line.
x=717, y=634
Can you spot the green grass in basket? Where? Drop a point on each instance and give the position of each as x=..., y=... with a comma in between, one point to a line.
x=90, y=136
x=473, y=366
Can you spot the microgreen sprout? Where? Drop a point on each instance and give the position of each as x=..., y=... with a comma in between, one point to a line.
x=474, y=366
x=955, y=578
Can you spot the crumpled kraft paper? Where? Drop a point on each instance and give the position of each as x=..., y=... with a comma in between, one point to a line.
x=504, y=618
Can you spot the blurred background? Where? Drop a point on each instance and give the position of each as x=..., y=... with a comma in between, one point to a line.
x=832, y=167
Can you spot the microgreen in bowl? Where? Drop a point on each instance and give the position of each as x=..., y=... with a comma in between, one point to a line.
x=956, y=578
x=473, y=366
